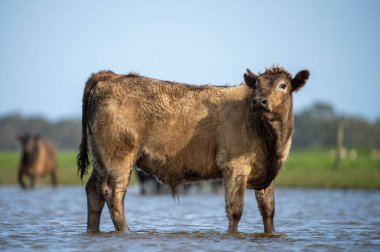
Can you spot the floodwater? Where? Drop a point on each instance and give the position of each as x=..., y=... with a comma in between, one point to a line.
x=306, y=220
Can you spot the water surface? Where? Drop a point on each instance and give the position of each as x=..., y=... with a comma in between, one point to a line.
x=306, y=220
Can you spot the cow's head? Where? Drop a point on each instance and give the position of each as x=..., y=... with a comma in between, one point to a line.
x=29, y=144
x=271, y=91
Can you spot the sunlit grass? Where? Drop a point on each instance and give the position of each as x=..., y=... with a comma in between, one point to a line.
x=308, y=168
x=67, y=169
x=315, y=168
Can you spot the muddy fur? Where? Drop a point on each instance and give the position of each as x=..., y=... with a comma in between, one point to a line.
x=38, y=159
x=179, y=133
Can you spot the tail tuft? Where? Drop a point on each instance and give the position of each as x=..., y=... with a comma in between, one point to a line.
x=83, y=161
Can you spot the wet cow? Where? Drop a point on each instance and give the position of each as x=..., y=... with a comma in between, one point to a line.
x=38, y=159
x=179, y=133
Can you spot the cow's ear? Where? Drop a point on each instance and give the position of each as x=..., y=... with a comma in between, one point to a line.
x=250, y=78
x=300, y=80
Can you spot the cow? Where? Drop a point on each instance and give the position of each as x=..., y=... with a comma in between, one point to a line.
x=38, y=159
x=182, y=133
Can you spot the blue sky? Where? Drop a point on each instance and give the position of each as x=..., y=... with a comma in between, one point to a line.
x=48, y=48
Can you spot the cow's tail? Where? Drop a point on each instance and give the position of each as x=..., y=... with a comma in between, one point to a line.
x=83, y=160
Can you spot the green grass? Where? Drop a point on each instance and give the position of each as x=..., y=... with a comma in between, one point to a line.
x=67, y=172
x=67, y=169
x=315, y=168
x=309, y=168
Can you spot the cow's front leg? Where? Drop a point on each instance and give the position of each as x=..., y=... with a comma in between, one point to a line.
x=234, y=185
x=21, y=178
x=54, y=179
x=265, y=202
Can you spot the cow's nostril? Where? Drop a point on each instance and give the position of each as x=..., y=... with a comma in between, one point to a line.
x=254, y=102
x=264, y=102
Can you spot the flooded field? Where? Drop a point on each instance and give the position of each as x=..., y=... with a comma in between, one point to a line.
x=306, y=220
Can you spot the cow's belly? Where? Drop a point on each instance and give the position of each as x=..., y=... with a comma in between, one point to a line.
x=185, y=165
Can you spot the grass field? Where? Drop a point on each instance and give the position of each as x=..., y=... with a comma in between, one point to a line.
x=315, y=168
x=310, y=168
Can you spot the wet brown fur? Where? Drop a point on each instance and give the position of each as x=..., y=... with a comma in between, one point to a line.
x=179, y=133
x=38, y=159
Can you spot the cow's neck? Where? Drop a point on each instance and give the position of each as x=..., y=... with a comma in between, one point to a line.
x=29, y=159
x=275, y=135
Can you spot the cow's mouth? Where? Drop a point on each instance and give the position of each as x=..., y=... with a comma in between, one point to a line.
x=260, y=109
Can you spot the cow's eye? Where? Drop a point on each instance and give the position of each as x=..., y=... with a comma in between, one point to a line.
x=254, y=86
x=282, y=86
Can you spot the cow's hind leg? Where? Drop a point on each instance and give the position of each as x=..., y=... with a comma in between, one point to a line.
x=118, y=153
x=266, y=204
x=114, y=191
x=54, y=179
x=115, y=203
x=33, y=182
x=95, y=202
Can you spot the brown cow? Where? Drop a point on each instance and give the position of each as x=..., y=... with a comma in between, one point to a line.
x=37, y=160
x=179, y=133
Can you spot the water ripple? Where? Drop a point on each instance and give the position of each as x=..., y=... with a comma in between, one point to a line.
x=306, y=220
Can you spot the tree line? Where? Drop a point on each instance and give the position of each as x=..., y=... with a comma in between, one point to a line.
x=315, y=127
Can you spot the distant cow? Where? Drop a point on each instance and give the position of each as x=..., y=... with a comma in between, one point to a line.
x=179, y=133
x=37, y=160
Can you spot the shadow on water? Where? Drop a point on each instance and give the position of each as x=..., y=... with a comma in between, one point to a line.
x=306, y=219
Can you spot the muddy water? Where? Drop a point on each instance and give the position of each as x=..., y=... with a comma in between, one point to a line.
x=306, y=220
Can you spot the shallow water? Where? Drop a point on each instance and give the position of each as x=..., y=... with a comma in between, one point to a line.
x=306, y=219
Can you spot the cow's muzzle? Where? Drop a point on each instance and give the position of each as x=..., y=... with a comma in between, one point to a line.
x=260, y=103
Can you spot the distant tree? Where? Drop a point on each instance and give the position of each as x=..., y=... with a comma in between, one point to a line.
x=65, y=134
x=321, y=111
x=315, y=127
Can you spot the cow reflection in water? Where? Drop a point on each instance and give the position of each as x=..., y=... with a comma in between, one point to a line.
x=38, y=159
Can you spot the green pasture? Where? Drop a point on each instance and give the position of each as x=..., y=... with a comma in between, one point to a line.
x=315, y=168
x=306, y=168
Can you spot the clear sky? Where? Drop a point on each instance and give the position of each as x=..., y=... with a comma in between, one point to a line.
x=48, y=48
